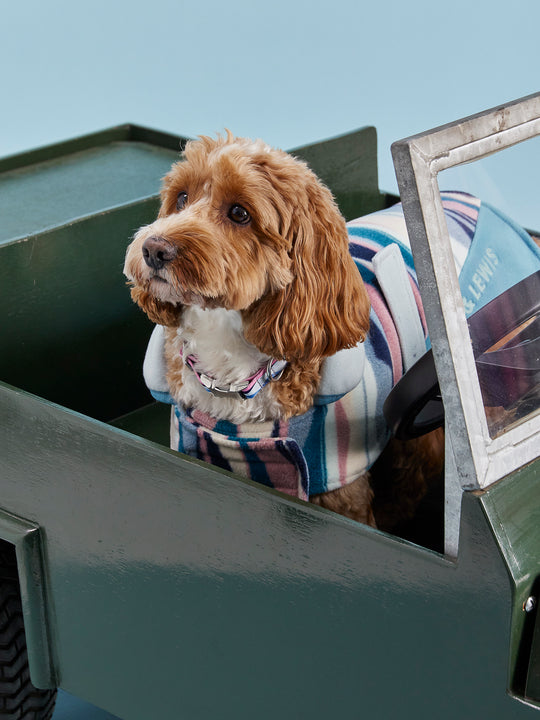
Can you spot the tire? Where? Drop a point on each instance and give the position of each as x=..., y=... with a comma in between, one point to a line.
x=19, y=699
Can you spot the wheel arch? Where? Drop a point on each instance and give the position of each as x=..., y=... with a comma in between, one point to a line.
x=25, y=538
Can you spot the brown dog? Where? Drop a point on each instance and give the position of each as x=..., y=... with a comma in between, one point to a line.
x=248, y=269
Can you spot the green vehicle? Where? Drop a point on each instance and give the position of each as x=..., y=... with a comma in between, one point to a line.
x=155, y=586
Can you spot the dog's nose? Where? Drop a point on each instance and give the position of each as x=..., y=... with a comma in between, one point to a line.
x=157, y=252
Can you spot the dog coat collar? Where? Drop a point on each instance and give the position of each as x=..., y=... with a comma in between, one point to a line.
x=245, y=389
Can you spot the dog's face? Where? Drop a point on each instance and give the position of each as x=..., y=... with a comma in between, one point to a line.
x=218, y=240
x=249, y=228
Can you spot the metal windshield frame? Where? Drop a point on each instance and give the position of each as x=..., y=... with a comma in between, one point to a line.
x=479, y=459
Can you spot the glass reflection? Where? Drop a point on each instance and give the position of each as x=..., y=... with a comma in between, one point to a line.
x=505, y=336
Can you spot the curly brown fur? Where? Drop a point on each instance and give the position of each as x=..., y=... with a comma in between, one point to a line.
x=403, y=474
x=354, y=500
x=161, y=313
x=297, y=387
x=388, y=496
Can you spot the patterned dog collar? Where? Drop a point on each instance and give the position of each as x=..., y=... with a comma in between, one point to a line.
x=245, y=389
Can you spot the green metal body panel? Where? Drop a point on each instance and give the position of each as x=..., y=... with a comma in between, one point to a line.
x=67, y=213
x=349, y=167
x=513, y=509
x=157, y=586
x=175, y=586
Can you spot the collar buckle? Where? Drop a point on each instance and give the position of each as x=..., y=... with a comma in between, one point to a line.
x=209, y=384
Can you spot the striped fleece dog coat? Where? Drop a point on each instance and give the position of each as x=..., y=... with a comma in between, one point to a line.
x=344, y=432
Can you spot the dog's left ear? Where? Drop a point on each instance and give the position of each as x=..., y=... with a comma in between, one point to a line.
x=326, y=307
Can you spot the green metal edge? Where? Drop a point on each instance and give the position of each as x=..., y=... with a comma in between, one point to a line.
x=120, y=133
x=27, y=539
x=512, y=507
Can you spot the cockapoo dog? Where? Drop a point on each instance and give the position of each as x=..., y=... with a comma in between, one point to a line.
x=276, y=355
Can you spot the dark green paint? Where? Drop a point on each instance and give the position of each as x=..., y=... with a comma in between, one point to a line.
x=151, y=422
x=160, y=587
x=127, y=133
x=348, y=165
x=69, y=316
x=68, y=213
x=223, y=599
x=61, y=191
x=513, y=509
x=532, y=681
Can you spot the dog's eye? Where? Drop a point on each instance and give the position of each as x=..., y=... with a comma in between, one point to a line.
x=239, y=215
x=181, y=200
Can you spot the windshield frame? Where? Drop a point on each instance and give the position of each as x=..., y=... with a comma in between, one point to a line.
x=480, y=459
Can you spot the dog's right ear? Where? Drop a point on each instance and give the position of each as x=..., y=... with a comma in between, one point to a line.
x=161, y=313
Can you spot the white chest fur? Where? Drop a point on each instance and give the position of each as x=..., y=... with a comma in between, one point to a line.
x=215, y=338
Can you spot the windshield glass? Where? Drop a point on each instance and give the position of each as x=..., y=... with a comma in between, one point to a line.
x=505, y=336
x=497, y=262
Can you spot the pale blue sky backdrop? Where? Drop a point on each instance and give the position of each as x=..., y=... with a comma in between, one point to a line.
x=289, y=71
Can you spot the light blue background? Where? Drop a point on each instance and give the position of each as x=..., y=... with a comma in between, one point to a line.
x=289, y=71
